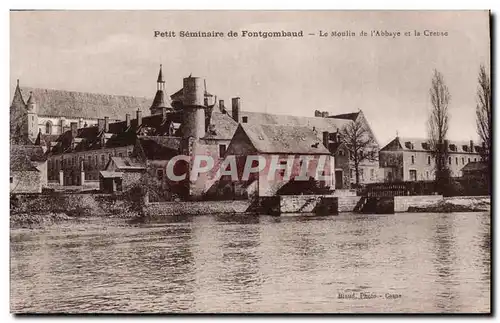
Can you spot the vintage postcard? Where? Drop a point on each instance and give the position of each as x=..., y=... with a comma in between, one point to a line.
x=250, y=162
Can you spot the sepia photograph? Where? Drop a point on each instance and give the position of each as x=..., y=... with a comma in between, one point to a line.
x=244, y=162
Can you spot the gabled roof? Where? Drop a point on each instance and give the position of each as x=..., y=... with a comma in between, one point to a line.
x=224, y=126
x=347, y=116
x=421, y=144
x=84, y=105
x=320, y=124
x=127, y=163
x=280, y=139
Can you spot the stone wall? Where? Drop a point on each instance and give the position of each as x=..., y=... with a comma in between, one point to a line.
x=347, y=203
x=196, y=208
x=71, y=204
x=299, y=203
x=25, y=182
x=402, y=203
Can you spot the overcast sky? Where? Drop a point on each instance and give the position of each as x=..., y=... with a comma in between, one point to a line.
x=116, y=53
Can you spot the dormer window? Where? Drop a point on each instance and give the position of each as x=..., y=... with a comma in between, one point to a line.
x=425, y=145
x=465, y=148
x=453, y=147
x=408, y=145
x=244, y=119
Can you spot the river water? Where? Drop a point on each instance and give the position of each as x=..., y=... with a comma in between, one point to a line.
x=348, y=263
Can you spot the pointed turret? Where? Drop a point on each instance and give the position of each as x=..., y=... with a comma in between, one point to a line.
x=31, y=104
x=160, y=76
x=160, y=103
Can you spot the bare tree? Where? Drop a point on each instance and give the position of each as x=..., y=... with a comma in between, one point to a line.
x=483, y=111
x=438, y=125
x=360, y=144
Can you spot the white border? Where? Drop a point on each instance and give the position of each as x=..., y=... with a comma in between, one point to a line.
x=184, y=4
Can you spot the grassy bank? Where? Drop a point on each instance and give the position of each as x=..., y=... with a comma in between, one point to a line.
x=44, y=210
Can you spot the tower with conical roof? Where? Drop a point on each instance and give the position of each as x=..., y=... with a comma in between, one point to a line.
x=160, y=104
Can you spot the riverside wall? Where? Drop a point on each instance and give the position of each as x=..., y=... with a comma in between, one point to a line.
x=402, y=203
x=197, y=208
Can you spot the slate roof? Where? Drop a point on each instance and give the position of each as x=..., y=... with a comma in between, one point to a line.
x=159, y=147
x=160, y=100
x=320, y=124
x=109, y=174
x=420, y=144
x=224, y=126
x=279, y=139
x=128, y=163
x=84, y=105
x=347, y=116
x=23, y=157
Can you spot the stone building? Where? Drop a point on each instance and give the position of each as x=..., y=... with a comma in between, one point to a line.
x=82, y=132
x=28, y=169
x=50, y=112
x=297, y=149
x=410, y=159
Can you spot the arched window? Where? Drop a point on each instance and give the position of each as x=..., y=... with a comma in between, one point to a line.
x=48, y=127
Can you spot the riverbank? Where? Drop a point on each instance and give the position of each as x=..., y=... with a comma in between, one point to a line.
x=44, y=210
x=456, y=204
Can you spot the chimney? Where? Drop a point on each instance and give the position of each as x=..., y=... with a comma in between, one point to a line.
x=236, y=105
x=106, y=124
x=74, y=129
x=326, y=139
x=471, y=146
x=222, y=108
x=138, y=116
x=127, y=120
x=100, y=124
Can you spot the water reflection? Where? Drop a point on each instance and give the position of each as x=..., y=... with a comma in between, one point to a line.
x=444, y=260
x=438, y=262
x=239, y=245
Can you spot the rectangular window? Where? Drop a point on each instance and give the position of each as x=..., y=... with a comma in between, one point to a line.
x=413, y=175
x=427, y=174
x=372, y=173
x=449, y=160
x=463, y=161
x=456, y=160
x=475, y=159
x=428, y=160
x=90, y=161
x=11, y=180
x=361, y=174
x=413, y=159
x=468, y=160
x=222, y=150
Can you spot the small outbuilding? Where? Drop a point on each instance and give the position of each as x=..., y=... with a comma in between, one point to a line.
x=110, y=182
